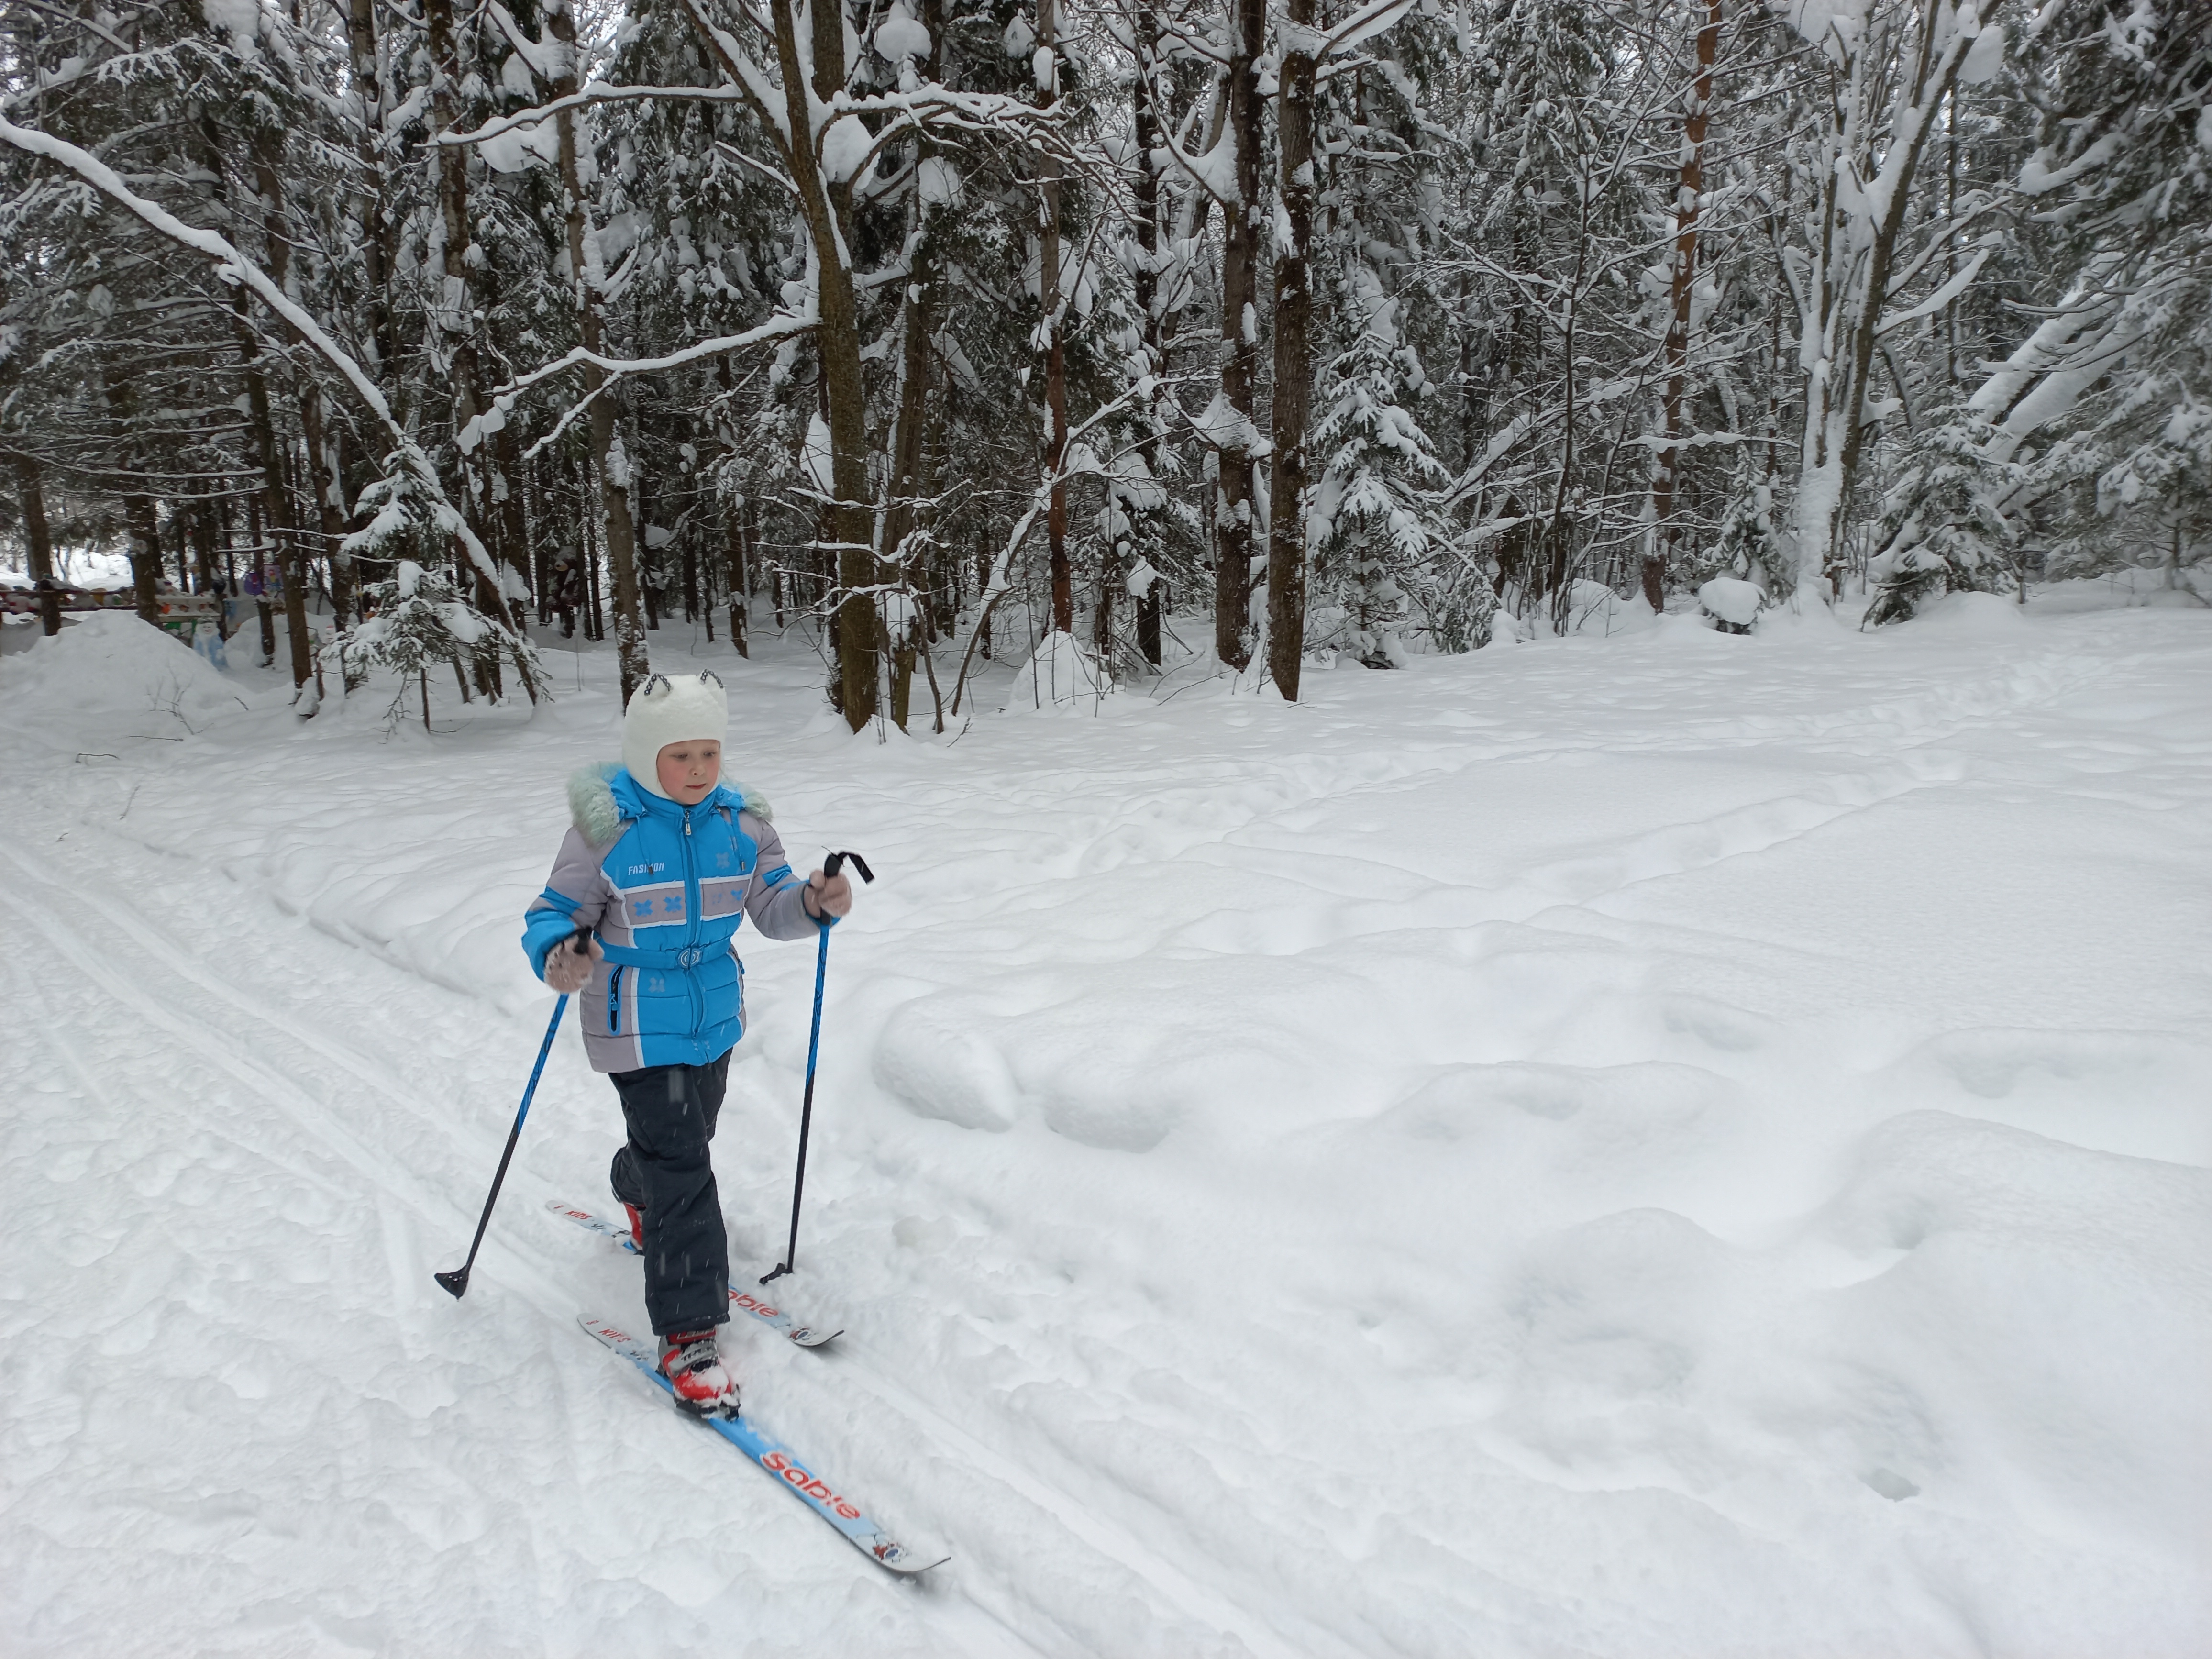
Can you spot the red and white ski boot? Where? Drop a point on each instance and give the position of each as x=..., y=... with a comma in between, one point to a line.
x=692, y=1362
x=636, y=1226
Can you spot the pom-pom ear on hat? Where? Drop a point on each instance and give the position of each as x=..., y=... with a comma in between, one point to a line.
x=662, y=711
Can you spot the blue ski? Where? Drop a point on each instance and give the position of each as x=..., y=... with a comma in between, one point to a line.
x=806, y=1336
x=825, y=1500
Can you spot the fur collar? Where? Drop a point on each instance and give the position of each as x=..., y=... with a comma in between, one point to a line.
x=594, y=809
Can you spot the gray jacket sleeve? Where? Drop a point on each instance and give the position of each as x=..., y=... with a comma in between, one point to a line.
x=576, y=895
x=774, y=904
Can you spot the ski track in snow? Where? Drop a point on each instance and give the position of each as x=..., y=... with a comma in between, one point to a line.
x=1678, y=1145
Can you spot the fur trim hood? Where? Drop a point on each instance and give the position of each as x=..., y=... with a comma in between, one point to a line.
x=597, y=811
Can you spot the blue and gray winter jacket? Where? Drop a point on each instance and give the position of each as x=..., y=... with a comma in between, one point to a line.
x=667, y=888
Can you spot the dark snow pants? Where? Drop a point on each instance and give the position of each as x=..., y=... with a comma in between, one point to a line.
x=665, y=1172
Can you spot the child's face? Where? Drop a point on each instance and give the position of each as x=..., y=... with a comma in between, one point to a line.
x=689, y=771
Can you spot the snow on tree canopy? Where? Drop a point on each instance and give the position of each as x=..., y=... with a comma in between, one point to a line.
x=899, y=36
x=240, y=18
x=845, y=147
x=938, y=181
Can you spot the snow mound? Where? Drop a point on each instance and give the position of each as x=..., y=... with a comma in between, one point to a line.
x=1964, y=1215
x=1732, y=600
x=1060, y=674
x=108, y=662
x=1594, y=607
x=1971, y=613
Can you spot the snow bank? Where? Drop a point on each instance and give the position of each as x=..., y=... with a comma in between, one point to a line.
x=2191, y=589
x=109, y=662
x=1986, y=614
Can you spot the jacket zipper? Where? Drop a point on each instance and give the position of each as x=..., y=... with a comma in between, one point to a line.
x=614, y=1003
x=691, y=928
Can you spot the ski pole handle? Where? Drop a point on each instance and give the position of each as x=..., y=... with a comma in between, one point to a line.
x=831, y=867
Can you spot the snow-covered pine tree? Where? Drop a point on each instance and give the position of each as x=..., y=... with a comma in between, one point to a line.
x=2106, y=408
x=418, y=619
x=1375, y=521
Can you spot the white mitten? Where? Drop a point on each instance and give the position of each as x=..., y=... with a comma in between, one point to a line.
x=830, y=896
x=568, y=969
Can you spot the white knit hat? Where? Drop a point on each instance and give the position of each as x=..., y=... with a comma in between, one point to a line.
x=662, y=711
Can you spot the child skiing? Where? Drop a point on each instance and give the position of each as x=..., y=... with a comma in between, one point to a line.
x=663, y=864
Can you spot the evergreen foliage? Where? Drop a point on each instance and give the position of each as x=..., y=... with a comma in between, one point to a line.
x=419, y=619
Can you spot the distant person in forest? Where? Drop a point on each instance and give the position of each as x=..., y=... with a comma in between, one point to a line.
x=265, y=586
x=226, y=593
x=568, y=586
x=663, y=863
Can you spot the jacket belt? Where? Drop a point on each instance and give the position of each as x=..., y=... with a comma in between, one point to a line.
x=691, y=956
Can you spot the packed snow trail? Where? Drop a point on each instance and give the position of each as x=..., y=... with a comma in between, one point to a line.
x=1677, y=1145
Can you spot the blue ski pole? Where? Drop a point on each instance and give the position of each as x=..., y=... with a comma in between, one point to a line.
x=456, y=1282
x=835, y=862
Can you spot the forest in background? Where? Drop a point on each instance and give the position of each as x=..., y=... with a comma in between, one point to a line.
x=947, y=329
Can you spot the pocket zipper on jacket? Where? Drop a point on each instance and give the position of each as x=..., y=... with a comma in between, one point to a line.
x=614, y=1003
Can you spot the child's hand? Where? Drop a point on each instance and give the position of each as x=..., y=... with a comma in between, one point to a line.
x=830, y=896
x=568, y=970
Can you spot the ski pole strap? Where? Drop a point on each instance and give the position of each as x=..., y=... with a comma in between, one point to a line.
x=836, y=862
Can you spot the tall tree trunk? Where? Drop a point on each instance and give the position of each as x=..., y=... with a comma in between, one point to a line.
x=825, y=206
x=1667, y=466
x=371, y=205
x=1286, y=519
x=733, y=549
x=276, y=505
x=1559, y=529
x=460, y=264
x=276, y=232
x=455, y=306
x=1144, y=24
x=910, y=480
x=40, y=540
x=609, y=463
x=508, y=480
x=1053, y=309
x=329, y=487
x=138, y=505
x=203, y=539
x=1233, y=528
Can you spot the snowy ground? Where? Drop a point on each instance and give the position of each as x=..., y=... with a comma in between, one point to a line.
x=1673, y=1146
